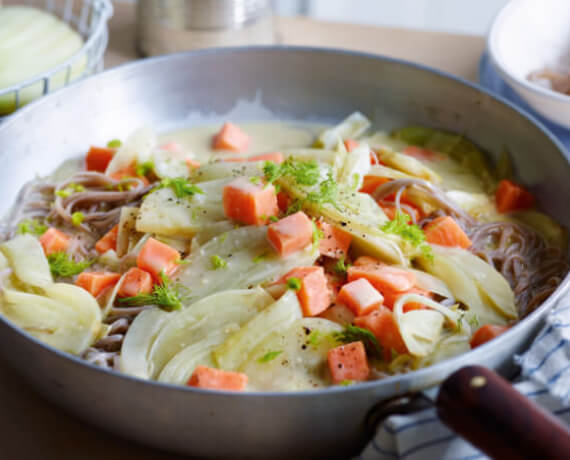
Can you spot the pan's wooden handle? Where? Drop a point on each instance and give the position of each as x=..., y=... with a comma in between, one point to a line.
x=485, y=409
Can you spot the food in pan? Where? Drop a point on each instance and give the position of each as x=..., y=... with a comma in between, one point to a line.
x=271, y=257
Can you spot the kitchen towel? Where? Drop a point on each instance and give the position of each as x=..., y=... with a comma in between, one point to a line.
x=545, y=367
x=545, y=373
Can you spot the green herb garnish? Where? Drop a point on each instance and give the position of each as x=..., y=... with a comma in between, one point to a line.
x=327, y=192
x=409, y=232
x=259, y=257
x=165, y=294
x=346, y=383
x=223, y=237
x=302, y=172
x=473, y=321
x=294, y=283
x=32, y=227
x=77, y=218
x=315, y=337
x=269, y=356
x=254, y=180
x=294, y=207
x=181, y=186
x=114, y=144
x=355, y=334
x=218, y=262
x=70, y=190
x=144, y=168
x=318, y=235
x=61, y=264
x=273, y=219
x=341, y=267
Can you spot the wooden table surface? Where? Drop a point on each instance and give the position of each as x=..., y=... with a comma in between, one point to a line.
x=32, y=428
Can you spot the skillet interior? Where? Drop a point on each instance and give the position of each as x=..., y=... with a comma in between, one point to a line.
x=254, y=84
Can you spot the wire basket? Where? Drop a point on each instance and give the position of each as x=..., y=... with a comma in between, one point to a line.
x=87, y=17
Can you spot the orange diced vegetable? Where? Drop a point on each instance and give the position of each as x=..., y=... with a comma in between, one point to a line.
x=98, y=158
x=171, y=146
x=383, y=277
x=334, y=283
x=230, y=137
x=366, y=260
x=156, y=257
x=348, y=362
x=54, y=240
x=192, y=164
x=334, y=242
x=360, y=296
x=512, y=197
x=383, y=325
x=233, y=159
x=375, y=158
x=446, y=232
x=339, y=314
x=274, y=157
x=291, y=233
x=96, y=282
x=422, y=154
x=249, y=203
x=109, y=240
x=350, y=144
x=371, y=183
x=313, y=295
x=486, y=333
x=390, y=298
x=135, y=282
x=129, y=172
x=390, y=211
x=217, y=379
x=283, y=201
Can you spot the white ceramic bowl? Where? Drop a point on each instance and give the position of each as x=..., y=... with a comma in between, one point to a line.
x=528, y=35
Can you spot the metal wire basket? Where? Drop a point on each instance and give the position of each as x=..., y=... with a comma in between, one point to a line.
x=89, y=18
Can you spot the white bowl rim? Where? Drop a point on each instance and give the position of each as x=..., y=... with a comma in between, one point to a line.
x=491, y=41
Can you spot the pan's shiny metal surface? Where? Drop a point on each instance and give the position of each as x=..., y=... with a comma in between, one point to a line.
x=293, y=83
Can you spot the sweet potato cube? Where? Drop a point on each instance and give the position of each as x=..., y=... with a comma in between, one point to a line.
x=446, y=232
x=217, y=379
x=54, y=240
x=249, y=203
x=383, y=277
x=383, y=325
x=314, y=295
x=291, y=233
x=156, y=257
x=96, y=282
x=360, y=296
x=108, y=241
x=348, y=362
x=274, y=157
x=135, y=282
x=230, y=137
x=334, y=242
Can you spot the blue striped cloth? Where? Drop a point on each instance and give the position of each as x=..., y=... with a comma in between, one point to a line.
x=546, y=373
x=545, y=366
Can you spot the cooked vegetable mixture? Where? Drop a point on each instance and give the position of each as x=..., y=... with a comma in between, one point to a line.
x=347, y=258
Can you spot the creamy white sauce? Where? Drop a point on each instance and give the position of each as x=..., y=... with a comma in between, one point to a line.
x=264, y=137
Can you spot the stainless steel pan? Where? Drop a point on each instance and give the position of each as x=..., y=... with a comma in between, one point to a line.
x=292, y=83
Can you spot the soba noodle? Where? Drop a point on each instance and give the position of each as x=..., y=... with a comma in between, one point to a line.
x=533, y=269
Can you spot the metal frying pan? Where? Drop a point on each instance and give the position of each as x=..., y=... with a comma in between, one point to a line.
x=257, y=83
